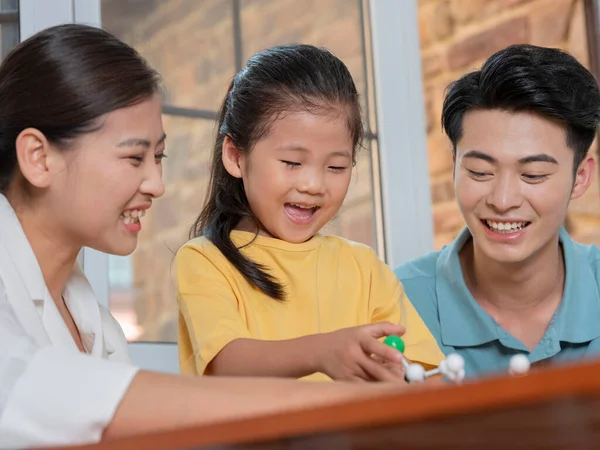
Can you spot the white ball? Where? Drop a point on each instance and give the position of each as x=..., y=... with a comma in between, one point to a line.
x=457, y=376
x=415, y=373
x=519, y=364
x=455, y=363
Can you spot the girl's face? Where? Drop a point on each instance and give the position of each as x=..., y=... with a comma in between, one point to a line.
x=108, y=180
x=297, y=176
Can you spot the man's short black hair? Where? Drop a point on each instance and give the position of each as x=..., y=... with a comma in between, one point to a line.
x=546, y=81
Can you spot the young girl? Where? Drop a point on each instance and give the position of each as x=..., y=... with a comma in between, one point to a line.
x=261, y=292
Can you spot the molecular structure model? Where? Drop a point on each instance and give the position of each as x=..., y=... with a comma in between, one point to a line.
x=453, y=367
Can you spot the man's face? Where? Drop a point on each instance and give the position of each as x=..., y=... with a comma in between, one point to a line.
x=514, y=180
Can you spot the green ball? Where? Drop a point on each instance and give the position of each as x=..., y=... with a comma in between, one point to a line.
x=395, y=342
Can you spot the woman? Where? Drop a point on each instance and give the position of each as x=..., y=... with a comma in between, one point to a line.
x=81, y=146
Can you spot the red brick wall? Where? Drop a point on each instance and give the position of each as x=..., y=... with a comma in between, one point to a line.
x=456, y=37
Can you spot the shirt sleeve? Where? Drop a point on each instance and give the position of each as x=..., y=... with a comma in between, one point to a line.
x=208, y=306
x=392, y=304
x=51, y=396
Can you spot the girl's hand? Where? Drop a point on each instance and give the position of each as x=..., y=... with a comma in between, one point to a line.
x=356, y=354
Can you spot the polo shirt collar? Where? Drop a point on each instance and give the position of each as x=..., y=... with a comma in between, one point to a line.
x=464, y=323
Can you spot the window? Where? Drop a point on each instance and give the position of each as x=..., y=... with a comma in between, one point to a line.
x=198, y=47
x=9, y=26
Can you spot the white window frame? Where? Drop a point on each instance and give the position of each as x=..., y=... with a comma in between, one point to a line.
x=401, y=129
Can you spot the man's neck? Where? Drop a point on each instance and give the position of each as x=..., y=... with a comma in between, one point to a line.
x=514, y=287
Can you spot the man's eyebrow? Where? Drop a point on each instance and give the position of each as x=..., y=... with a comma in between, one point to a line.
x=542, y=157
x=476, y=154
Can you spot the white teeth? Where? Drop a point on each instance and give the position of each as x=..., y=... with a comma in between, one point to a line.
x=132, y=215
x=505, y=226
x=302, y=206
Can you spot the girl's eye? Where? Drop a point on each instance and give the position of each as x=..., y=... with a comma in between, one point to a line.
x=337, y=168
x=160, y=156
x=137, y=159
x=291, y=163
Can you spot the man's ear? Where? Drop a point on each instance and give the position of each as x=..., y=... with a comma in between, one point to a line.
x=231, y=158
x=584, y=176
x=33, y=157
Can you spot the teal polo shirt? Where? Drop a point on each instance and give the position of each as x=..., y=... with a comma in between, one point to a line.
x=435, y=285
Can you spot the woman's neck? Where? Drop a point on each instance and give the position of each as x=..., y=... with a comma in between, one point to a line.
x=514, y=287
x=55, y=255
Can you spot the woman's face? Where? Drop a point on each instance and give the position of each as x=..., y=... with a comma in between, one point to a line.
x=109, y=179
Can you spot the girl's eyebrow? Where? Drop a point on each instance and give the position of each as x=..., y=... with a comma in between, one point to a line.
x=298, y=148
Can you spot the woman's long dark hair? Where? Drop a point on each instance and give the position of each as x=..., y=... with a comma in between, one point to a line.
x=60, y=81
x=281, y=79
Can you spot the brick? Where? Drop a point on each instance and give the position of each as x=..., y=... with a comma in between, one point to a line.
x=550, y=23
x=442, y=189
x=464, y=11
x=435, y=21
x=439, y=151
x=432, y=63
x=577, y=35
x=484, y=43
x=513, y=3
x=447, y=218
x=120, y=15
x=430, y=117
x=425, y=38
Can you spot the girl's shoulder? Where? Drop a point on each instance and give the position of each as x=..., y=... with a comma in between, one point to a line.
x=350, y=248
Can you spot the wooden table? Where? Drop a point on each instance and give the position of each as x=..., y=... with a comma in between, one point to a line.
x=549, y=409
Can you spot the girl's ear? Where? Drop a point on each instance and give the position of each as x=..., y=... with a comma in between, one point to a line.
x=230, y=156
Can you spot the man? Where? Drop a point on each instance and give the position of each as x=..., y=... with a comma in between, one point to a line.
x=513, y=281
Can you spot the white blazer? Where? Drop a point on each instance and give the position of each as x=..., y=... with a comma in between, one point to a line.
x=50, y=392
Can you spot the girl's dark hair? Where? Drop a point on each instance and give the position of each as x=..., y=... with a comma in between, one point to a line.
x=282, y=79
x=546, y=81
x=60, y=81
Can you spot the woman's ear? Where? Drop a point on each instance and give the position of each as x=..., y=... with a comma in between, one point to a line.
x=34, y=157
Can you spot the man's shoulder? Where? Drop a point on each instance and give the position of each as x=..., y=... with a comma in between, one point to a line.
x=422, y=268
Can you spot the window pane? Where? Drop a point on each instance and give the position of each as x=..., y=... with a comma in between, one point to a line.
x=9, y=28
x=189, y=42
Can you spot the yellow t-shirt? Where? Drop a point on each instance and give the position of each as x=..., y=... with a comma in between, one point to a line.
x=330, y=283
